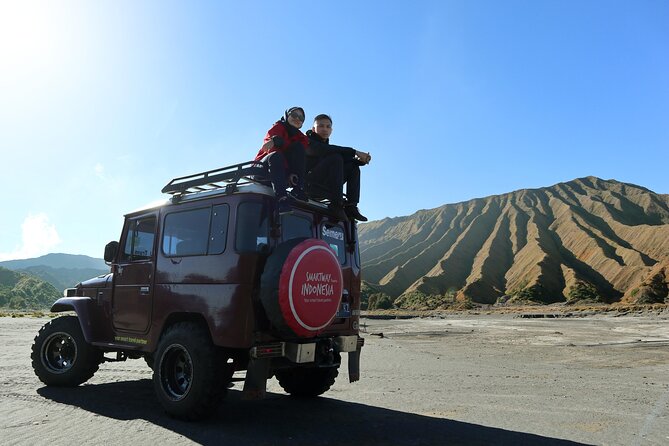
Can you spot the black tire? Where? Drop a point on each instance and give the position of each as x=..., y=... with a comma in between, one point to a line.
x=60, y=355
x=269, y=285
x=306, y=382
x=186, y=372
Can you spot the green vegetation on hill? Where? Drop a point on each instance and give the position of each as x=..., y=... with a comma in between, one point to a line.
x=20, y=291
x=653, y=290
x=374, y=298
x=60, y=270
x=371, y=298
x=62, y=278
x=581, y=291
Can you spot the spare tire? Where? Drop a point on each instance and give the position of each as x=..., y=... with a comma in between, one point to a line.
x=301, y=287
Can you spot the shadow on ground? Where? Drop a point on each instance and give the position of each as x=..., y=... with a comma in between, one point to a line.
x=280, y=420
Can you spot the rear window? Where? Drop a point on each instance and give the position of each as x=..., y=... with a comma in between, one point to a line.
x=252, y=227
x=333, y=235
x=294, y=226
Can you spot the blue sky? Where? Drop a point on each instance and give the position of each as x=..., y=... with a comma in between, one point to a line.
x=102, y=103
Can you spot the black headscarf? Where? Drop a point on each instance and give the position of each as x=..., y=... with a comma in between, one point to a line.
x=284, y=120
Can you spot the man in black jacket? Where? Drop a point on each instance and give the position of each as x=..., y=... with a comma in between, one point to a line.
x=330, y=166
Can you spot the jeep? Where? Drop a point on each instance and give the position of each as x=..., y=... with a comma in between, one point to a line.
x=210, y=282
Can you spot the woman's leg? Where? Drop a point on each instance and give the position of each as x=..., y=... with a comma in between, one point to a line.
x=296, y=158
x=276, y=162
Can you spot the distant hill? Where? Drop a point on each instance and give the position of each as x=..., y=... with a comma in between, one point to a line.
x=22, y=291
x=57, y=260
x=62, y=278
x=60, y=270
x=586, y=239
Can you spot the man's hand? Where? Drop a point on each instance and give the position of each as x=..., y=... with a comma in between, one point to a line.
x=364, y=157
x=267, y=146
x=277, y=140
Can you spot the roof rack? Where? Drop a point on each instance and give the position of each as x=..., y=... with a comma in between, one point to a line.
x=226, y=181
x=226, y=178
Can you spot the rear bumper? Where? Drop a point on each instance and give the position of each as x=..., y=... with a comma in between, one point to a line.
x=302, y=353
x=307, y=354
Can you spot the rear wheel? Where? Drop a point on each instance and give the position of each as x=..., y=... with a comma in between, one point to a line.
x=307, y=382
x=60, y=355
x=187, y=374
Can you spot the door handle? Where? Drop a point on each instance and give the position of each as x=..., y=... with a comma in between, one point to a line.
x=144, y=290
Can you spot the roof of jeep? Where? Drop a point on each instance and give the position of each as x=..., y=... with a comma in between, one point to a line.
x=228, y=178
x=245, y=178
x=248, y=188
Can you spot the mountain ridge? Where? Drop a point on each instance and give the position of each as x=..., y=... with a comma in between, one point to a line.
x=56, y=260
x=539, y=243
x=59, y=269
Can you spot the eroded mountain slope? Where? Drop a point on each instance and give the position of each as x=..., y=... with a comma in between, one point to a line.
x=587, y=237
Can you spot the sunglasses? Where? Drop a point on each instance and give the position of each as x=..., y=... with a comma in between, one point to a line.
x=297, y=115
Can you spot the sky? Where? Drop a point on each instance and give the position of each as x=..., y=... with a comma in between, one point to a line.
x=102, y=103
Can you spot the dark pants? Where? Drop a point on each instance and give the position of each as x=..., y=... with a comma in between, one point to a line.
x=284, y=163
x=328, y=174
x=352, y=179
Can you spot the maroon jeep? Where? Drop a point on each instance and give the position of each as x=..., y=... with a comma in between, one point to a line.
x=211, y=282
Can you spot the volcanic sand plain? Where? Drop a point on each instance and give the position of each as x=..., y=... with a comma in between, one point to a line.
x=450, y=379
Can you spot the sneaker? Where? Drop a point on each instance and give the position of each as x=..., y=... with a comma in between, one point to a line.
x=338, y=211
x=283, y=205
x=354, y=213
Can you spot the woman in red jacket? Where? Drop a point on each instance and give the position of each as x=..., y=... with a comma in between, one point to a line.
x=283, y=151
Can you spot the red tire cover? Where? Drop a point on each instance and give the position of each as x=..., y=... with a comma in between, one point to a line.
x=310, y=287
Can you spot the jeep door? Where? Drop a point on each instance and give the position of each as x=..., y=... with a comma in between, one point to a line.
x=133, y=275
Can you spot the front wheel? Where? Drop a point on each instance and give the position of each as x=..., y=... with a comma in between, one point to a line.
x=186, y=374
x=60, y=355
x=307, y=382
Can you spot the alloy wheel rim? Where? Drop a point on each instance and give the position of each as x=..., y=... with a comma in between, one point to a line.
x=176, y=369
x=59, y=352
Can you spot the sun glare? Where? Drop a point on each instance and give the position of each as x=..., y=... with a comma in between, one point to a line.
x=28, y=41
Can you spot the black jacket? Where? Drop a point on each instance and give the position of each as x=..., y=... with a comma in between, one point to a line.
x=319, y=147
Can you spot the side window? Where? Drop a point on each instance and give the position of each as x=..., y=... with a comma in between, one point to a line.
x=252, y=227
x=139, y=240
x=186, y=233
x=334, y=236
x=196, y=232
x=293, y=226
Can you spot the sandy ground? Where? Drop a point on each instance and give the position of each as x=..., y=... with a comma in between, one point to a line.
x=489, y=379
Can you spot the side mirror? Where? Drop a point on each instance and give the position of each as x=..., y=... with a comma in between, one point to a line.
x=110, y=251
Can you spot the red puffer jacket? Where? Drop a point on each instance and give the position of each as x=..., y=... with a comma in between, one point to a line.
x=288, y=133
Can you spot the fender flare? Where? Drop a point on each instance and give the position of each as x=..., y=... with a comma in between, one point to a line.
x=82, y=307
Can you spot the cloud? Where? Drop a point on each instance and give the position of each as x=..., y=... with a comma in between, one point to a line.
x=38, y=237
x=110, y=183
x=99, y=171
